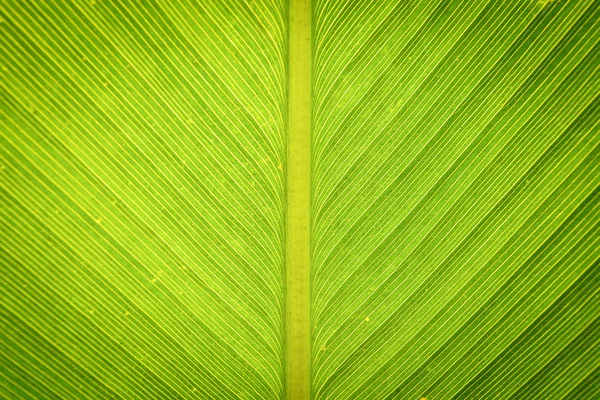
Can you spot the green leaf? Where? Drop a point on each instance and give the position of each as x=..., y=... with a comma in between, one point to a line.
x=142, y=199
x=455, y=199
x=156, y=237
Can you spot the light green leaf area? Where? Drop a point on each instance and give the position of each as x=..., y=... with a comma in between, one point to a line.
x=142, y=147
x=145, y=209
x=456, y=167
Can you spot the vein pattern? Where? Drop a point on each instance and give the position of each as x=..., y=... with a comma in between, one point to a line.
x=455, y=184
x=142, y=152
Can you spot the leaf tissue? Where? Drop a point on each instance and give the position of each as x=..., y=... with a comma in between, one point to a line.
x=326, y=199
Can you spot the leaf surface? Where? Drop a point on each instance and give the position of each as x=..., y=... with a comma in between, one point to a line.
x=454, y=216
x=455, y=199
x=142, y=201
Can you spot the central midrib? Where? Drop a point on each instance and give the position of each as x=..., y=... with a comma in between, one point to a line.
x=298, y=202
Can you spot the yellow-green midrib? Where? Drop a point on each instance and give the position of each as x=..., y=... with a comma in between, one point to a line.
x=298, y=245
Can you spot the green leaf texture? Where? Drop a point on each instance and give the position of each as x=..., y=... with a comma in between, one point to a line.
x=142, y=147
x=454, y=185
x=456, y=167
